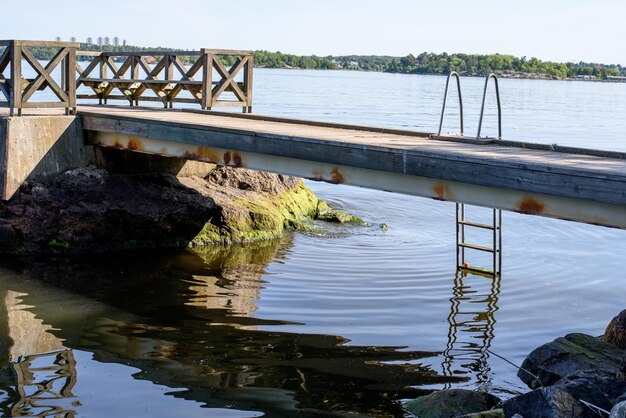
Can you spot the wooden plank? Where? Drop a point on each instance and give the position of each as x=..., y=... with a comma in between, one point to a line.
x=142, y=98
x=42, y=44
x=88, y=53
x=70, y=65
x=207, y=80
x=225, y=52
x=248, y=82
x=152, y=53
x=140, y=80
x=16, y=76
x=32, y=105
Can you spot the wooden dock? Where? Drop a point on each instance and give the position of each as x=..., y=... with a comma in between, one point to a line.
x=574, y=184
x=581, y=185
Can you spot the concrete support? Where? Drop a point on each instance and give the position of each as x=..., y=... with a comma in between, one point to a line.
x=37, y=146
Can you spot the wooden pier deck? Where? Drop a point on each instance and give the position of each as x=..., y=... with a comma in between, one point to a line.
x=580, y=185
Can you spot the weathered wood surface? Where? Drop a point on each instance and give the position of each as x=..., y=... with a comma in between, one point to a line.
x=532, y=171
x=169, y=77
x=17, y=91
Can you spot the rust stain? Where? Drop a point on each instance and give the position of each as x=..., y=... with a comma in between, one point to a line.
x=237, y=159
x=336, y=176
x=208, y=154
x=317, y=176
x=118, y=144
x=226, y=157
x=530, y=205
x=135, y=144
x=191, y=155
x=441, y=191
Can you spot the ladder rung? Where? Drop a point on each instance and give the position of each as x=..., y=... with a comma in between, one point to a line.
x=477, y=225
x=477, y=247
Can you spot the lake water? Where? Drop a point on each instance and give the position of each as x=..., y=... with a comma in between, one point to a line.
x=353, y=322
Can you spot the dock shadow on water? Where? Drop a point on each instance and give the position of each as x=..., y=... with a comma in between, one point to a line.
x=186, y=320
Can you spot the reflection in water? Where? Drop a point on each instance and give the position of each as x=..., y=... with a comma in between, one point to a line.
x=472, y=322
x=187, y=320
x=43, y=382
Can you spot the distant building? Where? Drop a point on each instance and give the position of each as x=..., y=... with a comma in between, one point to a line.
x=124, y=42
x=73, y=39
x=58, y=39
x=100, y=40
x=116, y=41
x=90, y=40
x=107, y=40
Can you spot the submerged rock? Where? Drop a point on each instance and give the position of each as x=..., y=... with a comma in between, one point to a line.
x=90, y=210
x=567, y=355
x=452, y=403
x=326, y=213
x=616, y=330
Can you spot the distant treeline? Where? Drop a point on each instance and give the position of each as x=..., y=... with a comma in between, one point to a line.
x=424, y=63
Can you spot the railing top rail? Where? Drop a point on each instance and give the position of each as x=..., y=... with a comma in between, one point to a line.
x=44, y=44
x=143, y=53
x=151, y=53
x=88, y=53
x=225, y=51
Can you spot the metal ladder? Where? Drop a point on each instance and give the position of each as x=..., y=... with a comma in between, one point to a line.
x=461, y=221
x=462, y=245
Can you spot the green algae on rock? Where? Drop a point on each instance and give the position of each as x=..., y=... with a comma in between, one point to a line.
x=90, y=210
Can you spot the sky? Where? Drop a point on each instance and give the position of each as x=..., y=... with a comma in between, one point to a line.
x=551, y=30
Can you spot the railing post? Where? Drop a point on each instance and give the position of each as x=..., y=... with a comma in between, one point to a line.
x=16, y=79
x=247, y=77
x=103, y=75
x=70, y=79
x=207, y=79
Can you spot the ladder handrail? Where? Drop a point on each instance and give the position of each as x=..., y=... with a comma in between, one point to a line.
x=445, y=99
x=482, y=109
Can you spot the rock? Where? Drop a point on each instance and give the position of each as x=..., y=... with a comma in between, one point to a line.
x=611, y=385
x=8, y=237
x=326, y=213
x=567, y=355
x=451, y=403
x=90, y=210
x=619, y=410
x=340, y=217
x=557, y=402
x=616, y=330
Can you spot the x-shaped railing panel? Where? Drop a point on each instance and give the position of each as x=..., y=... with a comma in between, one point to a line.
x=168, y=76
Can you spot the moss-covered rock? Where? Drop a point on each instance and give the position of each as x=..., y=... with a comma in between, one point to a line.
x=90, y=210
x=325, y=213
x=451, y=403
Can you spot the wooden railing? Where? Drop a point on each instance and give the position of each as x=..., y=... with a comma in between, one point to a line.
x=162, y=76
x=17, y=90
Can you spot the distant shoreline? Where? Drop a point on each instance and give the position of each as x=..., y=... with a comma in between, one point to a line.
x=528, y=76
